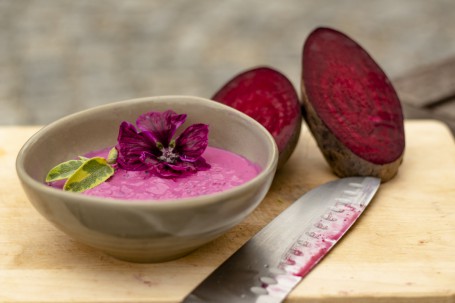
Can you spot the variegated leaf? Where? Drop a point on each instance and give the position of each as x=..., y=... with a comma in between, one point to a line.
x=64, y=170
x=92, y=173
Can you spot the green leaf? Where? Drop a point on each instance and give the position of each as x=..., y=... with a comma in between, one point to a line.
x=112, y=156
x=64, y=170
x=92, y=173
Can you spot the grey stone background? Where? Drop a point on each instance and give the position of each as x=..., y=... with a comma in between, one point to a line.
x=61, y=56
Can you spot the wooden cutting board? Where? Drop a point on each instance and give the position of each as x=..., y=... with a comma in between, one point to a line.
x=401, y=250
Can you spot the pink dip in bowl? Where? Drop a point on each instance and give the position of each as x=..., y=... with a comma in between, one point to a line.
x=227, y=170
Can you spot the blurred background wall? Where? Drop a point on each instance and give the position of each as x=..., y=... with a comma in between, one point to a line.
x=61, y=56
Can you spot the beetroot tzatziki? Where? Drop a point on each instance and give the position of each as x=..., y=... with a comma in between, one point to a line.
x=153, y=161
x=227, y=170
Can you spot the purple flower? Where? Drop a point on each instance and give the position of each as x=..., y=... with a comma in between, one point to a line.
x=153, y=148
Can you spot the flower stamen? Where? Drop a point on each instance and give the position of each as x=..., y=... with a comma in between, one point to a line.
x=168, y=155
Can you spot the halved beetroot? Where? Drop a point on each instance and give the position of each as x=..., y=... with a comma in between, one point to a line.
x=351, y=107
x=269, y=97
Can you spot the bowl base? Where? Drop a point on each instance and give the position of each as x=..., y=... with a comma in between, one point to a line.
x=148, y=257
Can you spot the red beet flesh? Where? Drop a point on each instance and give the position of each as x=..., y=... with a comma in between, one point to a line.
x=267, y=96
x=348, y=99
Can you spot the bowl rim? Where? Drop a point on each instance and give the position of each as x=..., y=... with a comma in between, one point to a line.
x=269, y=168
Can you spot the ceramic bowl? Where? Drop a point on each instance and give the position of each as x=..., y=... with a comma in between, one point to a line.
x=145, y=231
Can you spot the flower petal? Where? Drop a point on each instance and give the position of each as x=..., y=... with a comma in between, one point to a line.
x=191, y=144
x=168, y=170
x=131, y=145
x=149, y=159
x=178, y=169
x=161, y=125
x=200, y=164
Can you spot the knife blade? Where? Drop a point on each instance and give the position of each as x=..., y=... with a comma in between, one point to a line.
x=269, y=265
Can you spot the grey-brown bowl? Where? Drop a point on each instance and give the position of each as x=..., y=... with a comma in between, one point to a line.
x=145, y=231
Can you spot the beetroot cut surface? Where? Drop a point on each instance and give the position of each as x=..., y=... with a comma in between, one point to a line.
x=269, y=97
x=351, y=107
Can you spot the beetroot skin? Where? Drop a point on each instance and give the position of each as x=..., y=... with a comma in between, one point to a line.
x=267, y=96
x=351, y=107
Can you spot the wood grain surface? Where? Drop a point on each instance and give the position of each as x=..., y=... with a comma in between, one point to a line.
x=402, y=249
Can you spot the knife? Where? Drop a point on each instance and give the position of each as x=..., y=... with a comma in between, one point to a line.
x=268, y=266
